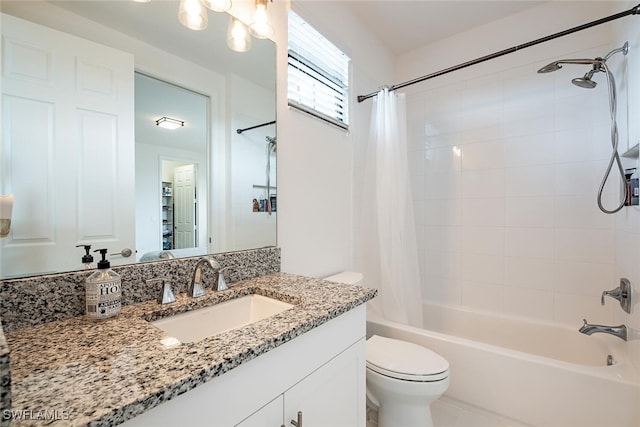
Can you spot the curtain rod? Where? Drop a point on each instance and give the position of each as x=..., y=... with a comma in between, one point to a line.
x=633, y=11
x=256, y=126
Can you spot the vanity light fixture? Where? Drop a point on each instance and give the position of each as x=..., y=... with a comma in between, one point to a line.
x=192, y=14
x=261, y=27
x=238, y=37
x=217, y=5
x=169, y=123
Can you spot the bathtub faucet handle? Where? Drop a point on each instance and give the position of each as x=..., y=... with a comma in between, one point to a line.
x=622, y=293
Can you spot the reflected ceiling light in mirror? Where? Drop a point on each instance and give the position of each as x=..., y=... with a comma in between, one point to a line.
x=217, y=5
x=192, y=14
x=261, y=27
x=169, y=123
x=238, y=37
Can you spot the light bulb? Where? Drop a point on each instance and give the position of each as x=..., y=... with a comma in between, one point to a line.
x=192, y=14
x=238, y=37
x=217, y=5
x=261, y=27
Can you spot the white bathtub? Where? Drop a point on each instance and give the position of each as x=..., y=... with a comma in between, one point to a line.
x=536, y=373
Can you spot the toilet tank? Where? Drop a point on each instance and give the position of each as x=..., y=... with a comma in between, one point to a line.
x=347, y=277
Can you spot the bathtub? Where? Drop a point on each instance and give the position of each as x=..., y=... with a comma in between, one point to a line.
x=539, y=374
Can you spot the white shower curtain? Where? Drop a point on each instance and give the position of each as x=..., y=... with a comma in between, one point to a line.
x=390, y=252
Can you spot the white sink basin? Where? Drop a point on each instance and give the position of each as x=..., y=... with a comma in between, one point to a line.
x=196, y=325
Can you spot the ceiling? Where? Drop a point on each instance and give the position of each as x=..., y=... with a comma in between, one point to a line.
x=404, y=25
x=401, y=25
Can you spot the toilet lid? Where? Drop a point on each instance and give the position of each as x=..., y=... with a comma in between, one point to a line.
x=405, y=360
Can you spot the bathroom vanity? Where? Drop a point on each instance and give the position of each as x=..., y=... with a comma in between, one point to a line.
x=309, y=358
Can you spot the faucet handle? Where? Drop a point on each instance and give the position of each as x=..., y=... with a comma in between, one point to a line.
x=166, y=295
x=622, y=293
x=221, y=284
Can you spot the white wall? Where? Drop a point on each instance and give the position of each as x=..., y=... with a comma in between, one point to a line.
x=315, y=160
x=506, y=166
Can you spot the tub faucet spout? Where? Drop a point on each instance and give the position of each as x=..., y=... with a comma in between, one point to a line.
x=616, y=331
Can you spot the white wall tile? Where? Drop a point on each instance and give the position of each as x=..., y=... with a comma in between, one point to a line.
x=443, y=264
x=482, y=296
x=535, y=303
x=483, y=155
x=483, y=212
x=570, y=309
x=529, y=242
x=529, y=150
x=528, y=272
x=529, y=181
x=529, y=212
x=582, y=244
x=583, y=278
x=482, y=240
x=483, y=268
x=482, y=183
x=443, y=238
x=441, y=185
x=443, y=212
x=442, y=289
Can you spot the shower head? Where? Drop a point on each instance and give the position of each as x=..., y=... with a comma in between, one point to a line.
x=598, y=64
x=556, y=65
x=585, y=81
x=550, y=68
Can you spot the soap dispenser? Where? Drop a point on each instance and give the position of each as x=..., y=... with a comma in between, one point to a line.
x=103, y=291
x=87, y=258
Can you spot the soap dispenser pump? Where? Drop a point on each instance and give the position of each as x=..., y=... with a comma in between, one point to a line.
x=87, y=258
x=103, y=291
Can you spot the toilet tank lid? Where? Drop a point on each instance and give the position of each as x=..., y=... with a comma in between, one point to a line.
x=346, y=277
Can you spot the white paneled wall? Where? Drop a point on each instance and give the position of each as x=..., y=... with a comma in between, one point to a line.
x=505, y=167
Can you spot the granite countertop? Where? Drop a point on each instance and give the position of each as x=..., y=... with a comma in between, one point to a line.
x=103, y=373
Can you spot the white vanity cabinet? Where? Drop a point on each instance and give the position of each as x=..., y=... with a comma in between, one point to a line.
x=321, y=373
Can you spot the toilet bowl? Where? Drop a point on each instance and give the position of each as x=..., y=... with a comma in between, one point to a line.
x=403, y=378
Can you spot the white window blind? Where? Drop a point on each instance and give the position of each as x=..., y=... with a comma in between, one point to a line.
x=318, y=74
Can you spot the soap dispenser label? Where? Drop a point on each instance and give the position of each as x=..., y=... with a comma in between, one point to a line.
x=103, y=299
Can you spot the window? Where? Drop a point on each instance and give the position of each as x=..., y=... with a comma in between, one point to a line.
x=318, y=74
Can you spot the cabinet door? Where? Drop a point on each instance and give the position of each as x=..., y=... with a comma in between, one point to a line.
x=333, y=395
x=269, y=415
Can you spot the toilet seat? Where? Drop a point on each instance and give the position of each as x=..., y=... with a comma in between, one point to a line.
x=404, y=360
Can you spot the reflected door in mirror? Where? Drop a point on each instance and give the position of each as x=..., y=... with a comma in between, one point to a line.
x=67, y=148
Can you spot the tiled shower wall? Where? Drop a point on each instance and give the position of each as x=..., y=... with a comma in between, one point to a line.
x=505, y=166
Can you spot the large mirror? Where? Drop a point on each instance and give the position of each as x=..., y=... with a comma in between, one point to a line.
x=209, y=186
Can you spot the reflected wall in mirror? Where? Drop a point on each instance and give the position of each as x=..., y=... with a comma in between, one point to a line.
x=72, y=155
x=171, y=164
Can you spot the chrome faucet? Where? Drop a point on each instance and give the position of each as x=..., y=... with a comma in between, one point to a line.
x=617, y=331
x=196, y=287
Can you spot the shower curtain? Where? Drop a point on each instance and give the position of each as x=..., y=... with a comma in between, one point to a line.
x=390, y=253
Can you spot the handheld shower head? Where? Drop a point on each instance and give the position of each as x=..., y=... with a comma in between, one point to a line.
x=585, y=81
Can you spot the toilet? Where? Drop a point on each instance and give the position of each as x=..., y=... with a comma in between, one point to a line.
x=403, y=378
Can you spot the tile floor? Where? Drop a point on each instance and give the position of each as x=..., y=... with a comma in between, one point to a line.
x=448, y=412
